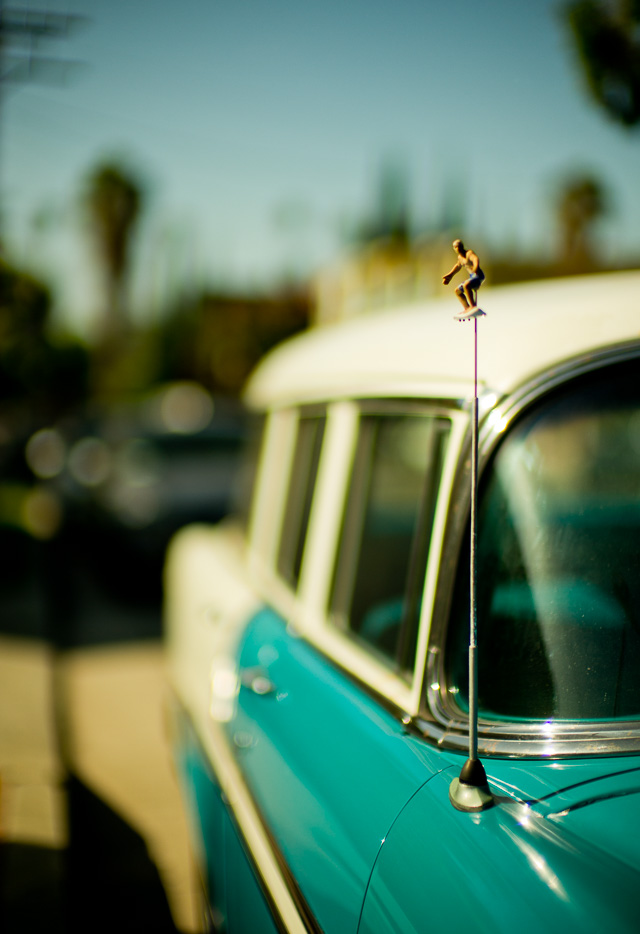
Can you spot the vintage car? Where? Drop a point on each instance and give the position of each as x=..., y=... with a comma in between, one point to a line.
x=318, y=644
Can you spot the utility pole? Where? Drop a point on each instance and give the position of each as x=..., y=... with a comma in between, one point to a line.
x=22, y=33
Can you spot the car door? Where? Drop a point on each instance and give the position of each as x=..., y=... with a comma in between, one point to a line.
x=327, y=765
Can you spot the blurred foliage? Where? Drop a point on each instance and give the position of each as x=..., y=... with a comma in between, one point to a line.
x=390, y=219
x=579, y=202
x=606, y=34
x=36, y=374
x=218, y=338
x=213, y=338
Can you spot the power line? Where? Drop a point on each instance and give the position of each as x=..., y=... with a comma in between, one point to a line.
x=22, y=32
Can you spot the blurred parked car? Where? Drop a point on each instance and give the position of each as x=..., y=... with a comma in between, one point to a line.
x=125, y=479
x=319, y=655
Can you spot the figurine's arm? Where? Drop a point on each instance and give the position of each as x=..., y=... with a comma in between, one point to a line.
x=449, y=276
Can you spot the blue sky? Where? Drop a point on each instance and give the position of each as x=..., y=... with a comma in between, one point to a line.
x=243, y=113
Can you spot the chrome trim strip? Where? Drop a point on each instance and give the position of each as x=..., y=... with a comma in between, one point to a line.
x=539, y=739
x=288, y=906
x=499, y=418
x=442, y=721
x=306, y=609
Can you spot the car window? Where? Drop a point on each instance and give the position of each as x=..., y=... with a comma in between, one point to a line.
x=386, y=531
x=304, y=471
x=559, y=562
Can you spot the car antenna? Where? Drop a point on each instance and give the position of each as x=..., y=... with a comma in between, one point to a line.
x=470, y=791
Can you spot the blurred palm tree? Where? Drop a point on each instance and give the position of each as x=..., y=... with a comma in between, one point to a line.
x=607, y=38
x=582, y=202
x=114, y=199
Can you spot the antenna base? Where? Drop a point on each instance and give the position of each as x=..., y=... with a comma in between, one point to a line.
x=470, y=791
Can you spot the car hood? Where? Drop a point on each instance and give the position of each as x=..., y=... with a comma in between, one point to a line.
x=596, y=801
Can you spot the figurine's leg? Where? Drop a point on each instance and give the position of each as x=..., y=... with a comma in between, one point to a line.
x=460, y=293
x=471, y=287
x=470, y=295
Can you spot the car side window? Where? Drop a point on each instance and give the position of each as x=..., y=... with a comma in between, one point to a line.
x=304, y=470
x=386, y=532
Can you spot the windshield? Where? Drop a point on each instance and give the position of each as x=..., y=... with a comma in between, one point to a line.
x=559, y=561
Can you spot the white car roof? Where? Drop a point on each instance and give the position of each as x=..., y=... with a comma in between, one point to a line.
x=420, y=350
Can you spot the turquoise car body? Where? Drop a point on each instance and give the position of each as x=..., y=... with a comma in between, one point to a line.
x=317, y=777
x=365, y=825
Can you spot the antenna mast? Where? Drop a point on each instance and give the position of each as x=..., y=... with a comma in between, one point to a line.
x=470, y=791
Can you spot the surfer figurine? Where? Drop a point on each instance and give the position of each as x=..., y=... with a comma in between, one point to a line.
x=466, y=292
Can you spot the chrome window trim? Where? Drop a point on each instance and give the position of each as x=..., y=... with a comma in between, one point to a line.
x=312, y=618
x=306, y=609
x=328, y=503
x=304, y=414
x=441, y=720
x=271, y=485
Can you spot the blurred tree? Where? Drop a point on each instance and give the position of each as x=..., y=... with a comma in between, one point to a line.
x=607, y=37
x=36, y=375
x=582, y=202
x=114, y=199
x=217, y=338
x=390, y=219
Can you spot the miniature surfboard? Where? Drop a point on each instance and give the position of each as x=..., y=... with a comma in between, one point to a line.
x=468, y=314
